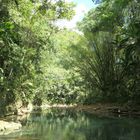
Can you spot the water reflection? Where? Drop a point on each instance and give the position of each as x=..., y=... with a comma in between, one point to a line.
x=64, y=124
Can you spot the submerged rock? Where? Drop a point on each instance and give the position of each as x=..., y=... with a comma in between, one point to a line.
x=9, y=127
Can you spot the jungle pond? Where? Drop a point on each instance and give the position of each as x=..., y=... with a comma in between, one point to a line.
x=67, y=124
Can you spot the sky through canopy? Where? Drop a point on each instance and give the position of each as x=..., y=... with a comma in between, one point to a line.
x=83, y=6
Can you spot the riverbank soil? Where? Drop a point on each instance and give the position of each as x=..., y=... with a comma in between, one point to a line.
x=102, y=108
x=110, y=109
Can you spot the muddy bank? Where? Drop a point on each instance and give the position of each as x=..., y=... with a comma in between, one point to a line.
x=102, y=109
x=110, y=109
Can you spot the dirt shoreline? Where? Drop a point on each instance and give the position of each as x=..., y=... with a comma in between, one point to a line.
x=98, y=108
x=102, y=109
x=110, y=109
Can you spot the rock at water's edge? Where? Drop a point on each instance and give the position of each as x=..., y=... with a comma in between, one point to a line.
x=8, y=127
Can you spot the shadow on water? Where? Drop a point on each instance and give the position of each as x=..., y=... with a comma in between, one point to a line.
x=67, y=124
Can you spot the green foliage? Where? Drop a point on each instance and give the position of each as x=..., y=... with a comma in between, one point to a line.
x=113, y=66
x=63, y=84
x=25, y=31
x=40, y=62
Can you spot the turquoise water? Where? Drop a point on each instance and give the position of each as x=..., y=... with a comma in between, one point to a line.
x=63, y=124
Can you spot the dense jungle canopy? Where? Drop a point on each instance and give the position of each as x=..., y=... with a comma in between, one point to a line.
x=40, y=62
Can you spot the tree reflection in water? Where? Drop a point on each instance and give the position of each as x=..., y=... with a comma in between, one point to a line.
x=66, y=124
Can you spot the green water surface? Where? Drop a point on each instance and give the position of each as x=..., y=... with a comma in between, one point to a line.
x=64, y=124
